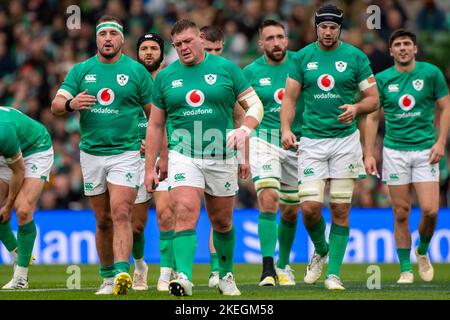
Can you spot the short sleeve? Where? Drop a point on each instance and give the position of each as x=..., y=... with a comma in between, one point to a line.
x=295, y=68
x=71, y=83
x=146, y=86
x=240, y=82
x=363, y=64
x=157, y=97
x=380, y=89
x=440, y=85
x=9, y=142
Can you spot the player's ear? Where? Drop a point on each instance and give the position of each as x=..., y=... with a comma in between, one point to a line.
x=260, y=44
x=202, y=36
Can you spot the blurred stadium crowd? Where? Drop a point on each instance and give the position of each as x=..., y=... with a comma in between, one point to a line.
x=37, y=50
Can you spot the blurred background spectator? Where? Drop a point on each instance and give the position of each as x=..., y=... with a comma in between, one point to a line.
x=37, y=50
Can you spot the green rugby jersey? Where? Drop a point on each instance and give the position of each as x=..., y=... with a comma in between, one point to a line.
x=329, y=80
x=408, y=99
x=122, y=90
x=198, y=102
x=18, y=132
x=269, y=82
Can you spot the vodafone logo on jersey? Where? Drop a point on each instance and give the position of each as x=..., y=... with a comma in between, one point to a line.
x=278, y=95
x=406, y=102
x=105, y=96
x=325, y=82
x=195, y=98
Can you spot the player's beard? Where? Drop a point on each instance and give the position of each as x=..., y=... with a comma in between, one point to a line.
x=151, y=67
x=111, y=55
x=275, y=58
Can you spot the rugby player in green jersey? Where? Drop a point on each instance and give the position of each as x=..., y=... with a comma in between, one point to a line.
x=109, y=91
x=26, y=158
x=213, y=43
x=150, y=53
x=328, y=73
x=194, y=97
x=274, y=170
x=409, y=92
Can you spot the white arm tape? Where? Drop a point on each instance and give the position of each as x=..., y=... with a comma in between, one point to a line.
x=64, y=93
x=12, y=161
x=255, y=106
x=367, y=83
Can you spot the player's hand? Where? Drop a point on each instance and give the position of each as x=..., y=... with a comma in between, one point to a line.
x=83, y=101
x=5, y=215
x=151, y=180
x=288, y=140
x=349, y=114
x=436, y=153
x=142, y=149
x=236, y=139
x=161, y=168
x=370, y=165
x=243, y=170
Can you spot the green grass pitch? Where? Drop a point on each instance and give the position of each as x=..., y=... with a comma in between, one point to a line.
x=49, y=282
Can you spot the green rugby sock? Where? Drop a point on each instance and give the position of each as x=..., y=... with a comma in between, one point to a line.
x=338, y=244
x=423, y=245
x=107, y=271
x=25, y=243
x=214, y=258
x=224, y=244
x=405, y=260
x=184, y=246
x=7, y=237
x=267, y=232
x=167, y=259
x=138, y=246
x=286, y=236
x=121, y=266
x=317, y=235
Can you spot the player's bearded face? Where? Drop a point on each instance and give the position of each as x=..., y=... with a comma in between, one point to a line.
x=274, y=43
x=328, y=34
x=150, y=55
x=109, y=42
x=403, y=50
x=189, y=46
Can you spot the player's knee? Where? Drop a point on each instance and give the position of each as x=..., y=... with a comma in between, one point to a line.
x=121, y=213
x=340, y=212
x=430, y=212
x=222, y=223
x=104, y=224
x=24, y=210
x=289, y=212
x=166, y=218
x=401, y=214
x=341, y=190
x=268, y=199
x=311, y=191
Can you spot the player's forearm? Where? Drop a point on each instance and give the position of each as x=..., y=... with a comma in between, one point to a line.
x=58, y=105
x=238, y=115
x=287, y=114
x=370, y=133
x=367, y=105
x=444, y=123
x=153, y=142
x=164, y=151
x=14, y=186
